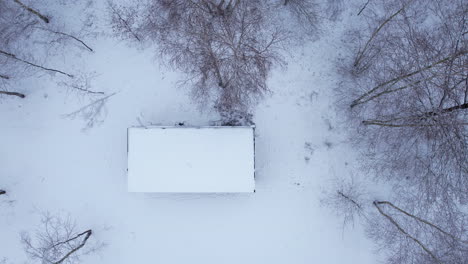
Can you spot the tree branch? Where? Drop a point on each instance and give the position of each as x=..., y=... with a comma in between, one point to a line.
x=376, y=204
x=363, y=7
x=419, y=219
x=393, y=90
x=35, y=12
x=13, y=93
x=68, y=35
x=399, y=78
x=351, y=200
x=13, y=56
x=415, y=120
x=87, y=234
x=376, y=31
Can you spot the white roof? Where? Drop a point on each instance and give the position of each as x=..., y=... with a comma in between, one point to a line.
x=191, y=159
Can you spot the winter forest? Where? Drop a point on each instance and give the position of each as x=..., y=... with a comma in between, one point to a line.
x=360, y=111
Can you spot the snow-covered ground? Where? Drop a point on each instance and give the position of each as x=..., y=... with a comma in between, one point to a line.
x=48, y=163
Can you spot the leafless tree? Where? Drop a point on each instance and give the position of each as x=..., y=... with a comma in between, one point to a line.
x=33, y=35
x=58, y=241
x=94, y=113
x=29, y=40
x=407, y=93
x=347, y=198
x=226, y=48
x=407, y=233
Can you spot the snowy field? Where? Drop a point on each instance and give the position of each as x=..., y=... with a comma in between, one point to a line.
x=49, y=163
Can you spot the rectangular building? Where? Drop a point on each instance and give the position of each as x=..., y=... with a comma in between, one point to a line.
x=191, y=159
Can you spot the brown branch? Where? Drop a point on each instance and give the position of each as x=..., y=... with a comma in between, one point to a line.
x=399, y=78
x=394, y=90
x=349, y=198
x=453, y=108
x=420, y=220
x=84, y=90
x=466, y=90
x=376, y=204
x=386, y=124
x=13, y=93
x=363, y=7
x=33, y=11
x=2, y=192
x=13, y=56
x=376, y=31
x=87, y=234
x=68, y=35
x=413, y=120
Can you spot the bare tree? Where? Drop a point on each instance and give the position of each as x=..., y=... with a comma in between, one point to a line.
x=94, y=113
x=347, y=198
x=30, y=39
x=226, y=48
x=57, y=241
x=407, y=96
x=33, y=35
x=413, y=234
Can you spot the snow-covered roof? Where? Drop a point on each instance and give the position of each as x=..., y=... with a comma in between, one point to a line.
x=191, y=159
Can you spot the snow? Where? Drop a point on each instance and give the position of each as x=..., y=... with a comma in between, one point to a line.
x=191, y=159
x=47, y=163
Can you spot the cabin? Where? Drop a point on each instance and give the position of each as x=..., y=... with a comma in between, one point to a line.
x=183, y=159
